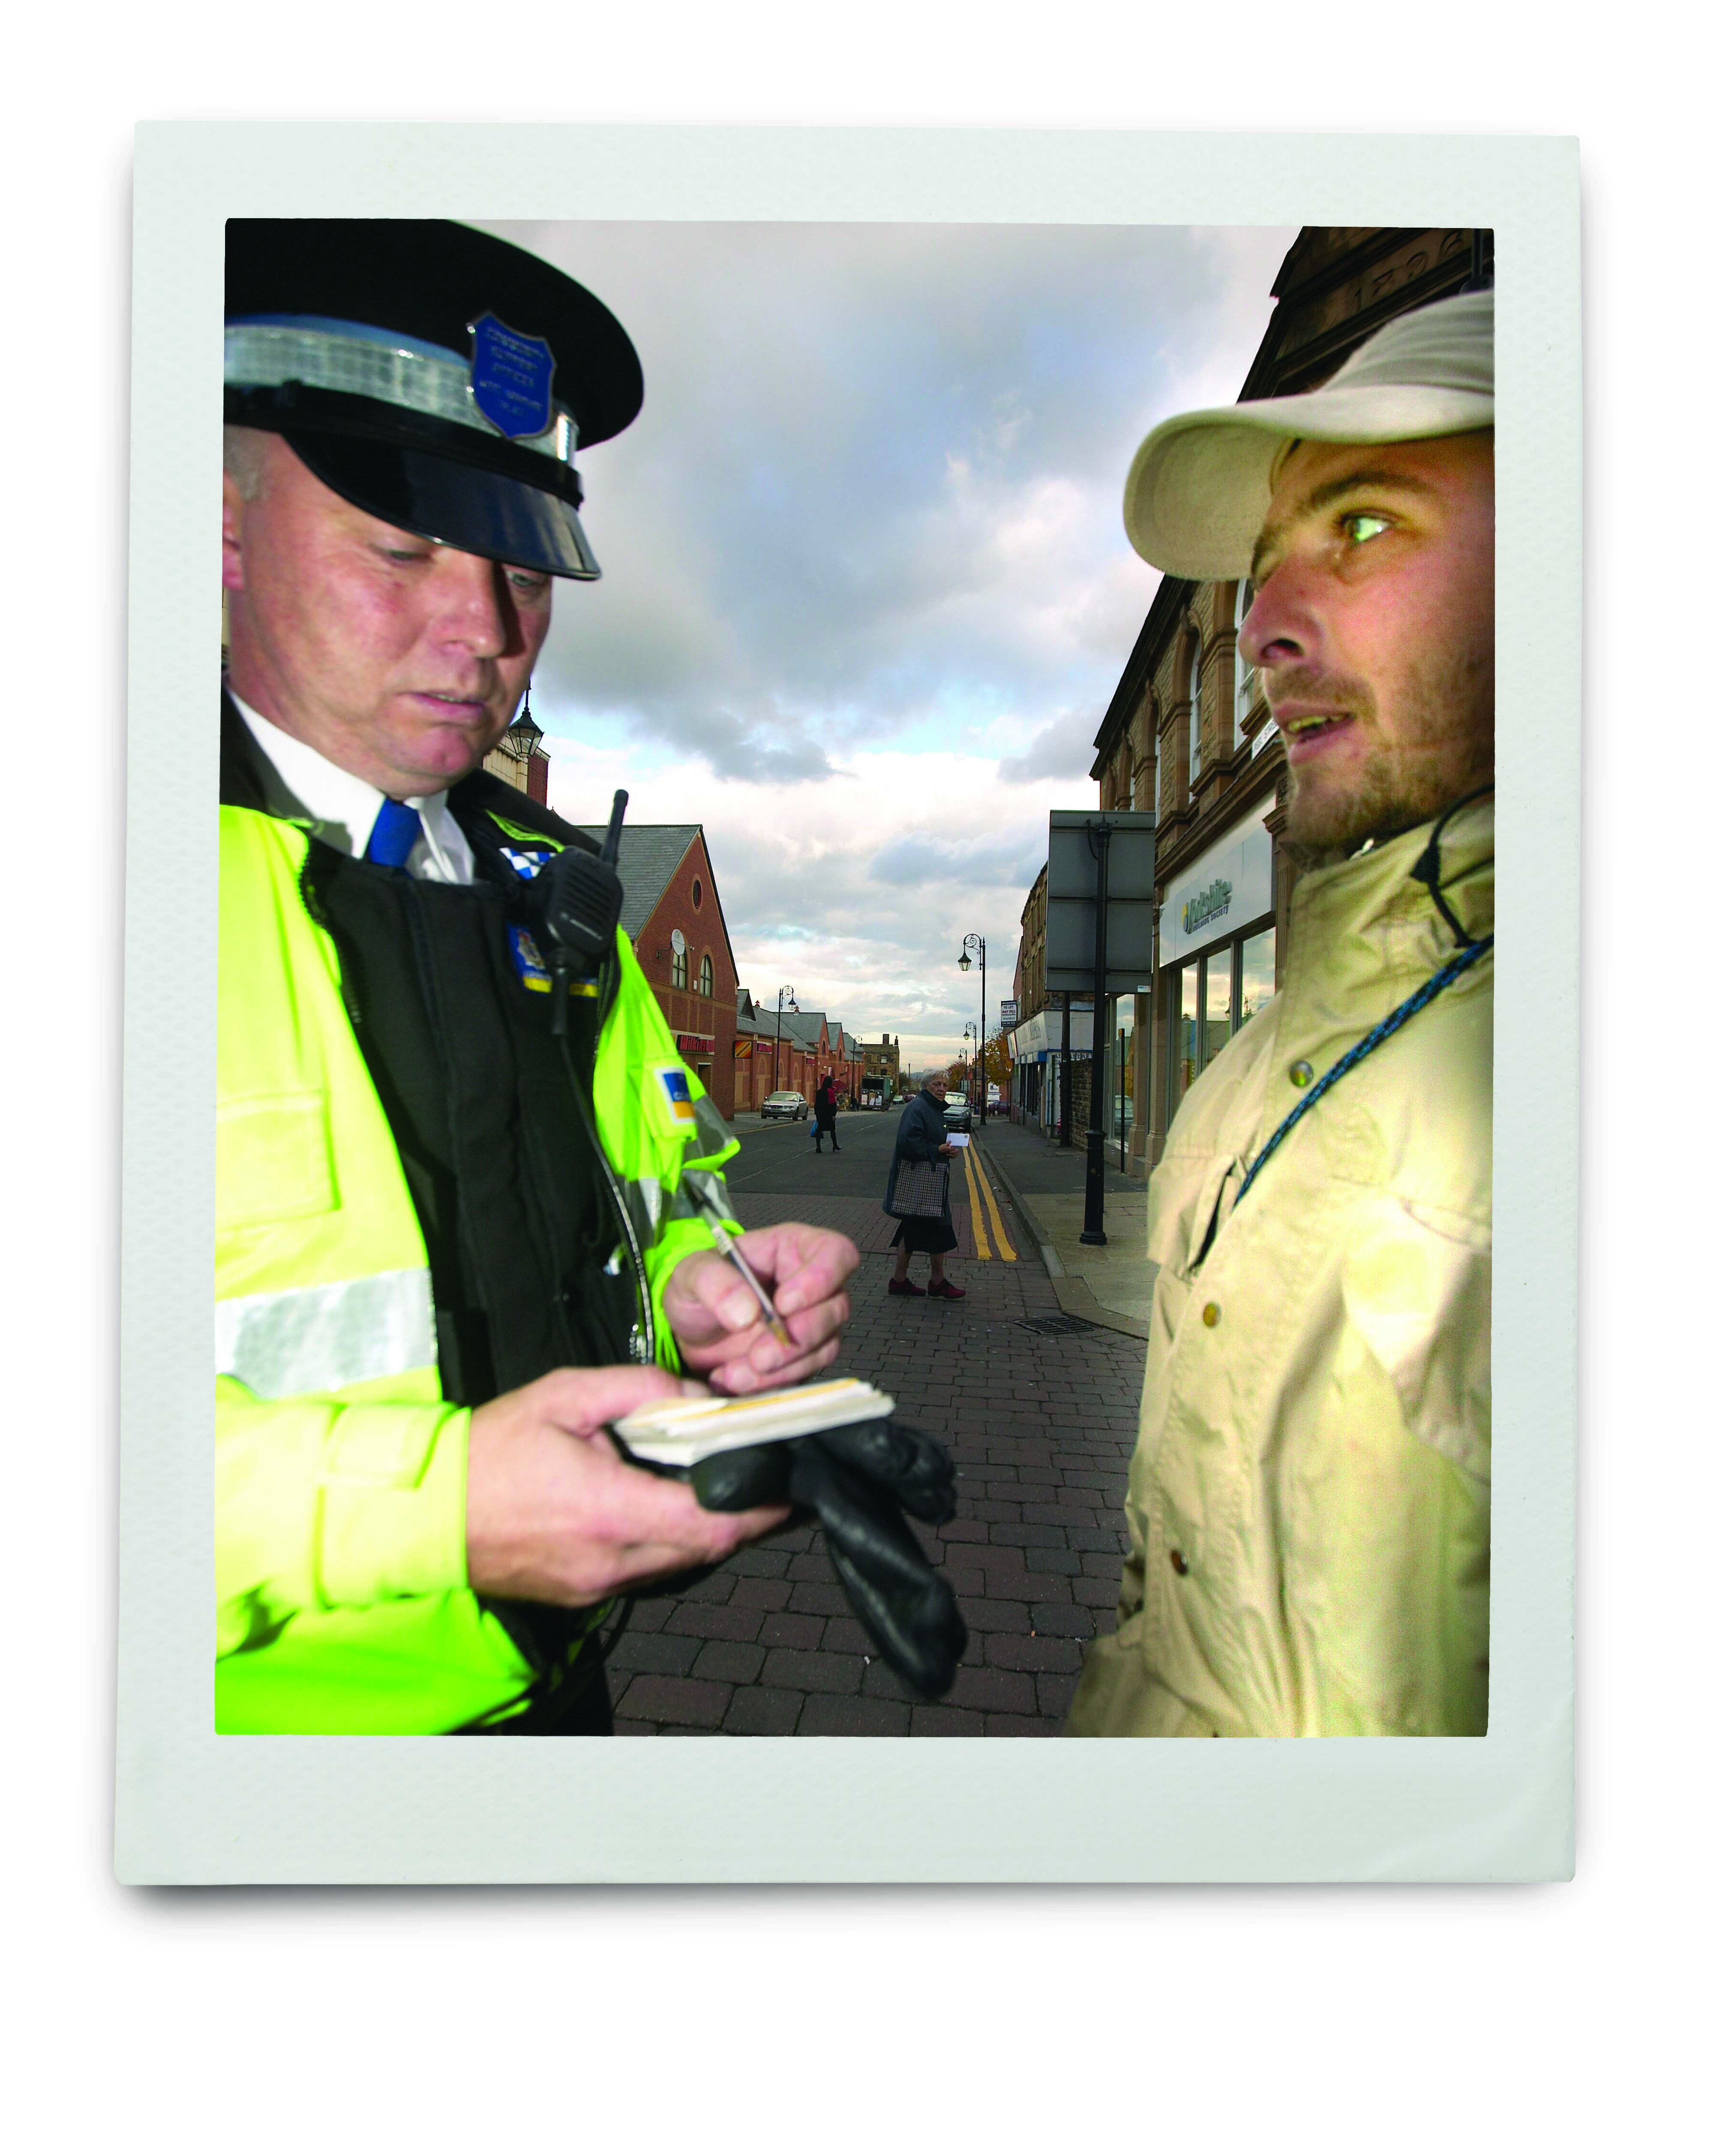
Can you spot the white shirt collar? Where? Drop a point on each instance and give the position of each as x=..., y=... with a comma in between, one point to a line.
x=342, y=808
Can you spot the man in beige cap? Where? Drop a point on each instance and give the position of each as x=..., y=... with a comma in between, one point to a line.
x=1309, y=1503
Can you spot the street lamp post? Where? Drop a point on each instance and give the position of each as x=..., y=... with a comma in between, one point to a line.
x=782, y=995
x=975, y=942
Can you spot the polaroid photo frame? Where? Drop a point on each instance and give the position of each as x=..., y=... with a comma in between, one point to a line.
x=196, y=1807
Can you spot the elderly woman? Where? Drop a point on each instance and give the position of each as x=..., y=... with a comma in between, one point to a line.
x=923, y=1136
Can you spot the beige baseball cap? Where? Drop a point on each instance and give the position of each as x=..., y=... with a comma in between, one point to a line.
x=1199, y=488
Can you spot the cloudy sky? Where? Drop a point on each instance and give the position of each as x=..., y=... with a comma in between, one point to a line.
x=866, y=593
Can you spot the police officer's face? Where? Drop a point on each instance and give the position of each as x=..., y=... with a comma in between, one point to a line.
x=1373, y=620
x=401, y=661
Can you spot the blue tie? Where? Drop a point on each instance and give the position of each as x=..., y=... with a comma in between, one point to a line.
x=395, y=835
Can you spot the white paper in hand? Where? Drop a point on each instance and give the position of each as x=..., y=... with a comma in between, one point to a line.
x=681, y=1433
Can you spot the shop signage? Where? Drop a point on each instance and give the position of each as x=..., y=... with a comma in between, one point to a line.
x=1228, y=887
x=1041, y=1035
x=742, y=1047
x=1207, y=905
x=694, y=1043
x=1011, y=1012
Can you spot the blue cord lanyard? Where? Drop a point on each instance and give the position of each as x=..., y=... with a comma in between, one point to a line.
x=1338, y=1070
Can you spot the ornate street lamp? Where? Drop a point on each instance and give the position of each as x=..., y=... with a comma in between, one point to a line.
x=975, y=943
x=525, y=737
x=782, y=995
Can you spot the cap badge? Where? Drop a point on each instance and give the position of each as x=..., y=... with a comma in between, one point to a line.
x=512, y=379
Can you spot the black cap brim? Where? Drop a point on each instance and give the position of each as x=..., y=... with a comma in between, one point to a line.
x=456, y=505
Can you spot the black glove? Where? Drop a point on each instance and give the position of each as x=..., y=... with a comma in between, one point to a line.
x=858, y=1479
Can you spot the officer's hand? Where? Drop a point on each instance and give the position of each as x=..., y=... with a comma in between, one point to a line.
x=721, y=1333
x=553, y=1514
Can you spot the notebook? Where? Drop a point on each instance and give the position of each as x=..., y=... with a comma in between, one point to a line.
x=681, y=1432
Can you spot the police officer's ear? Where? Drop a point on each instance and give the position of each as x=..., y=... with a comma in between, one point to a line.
x=243, y=458
x=232, y=507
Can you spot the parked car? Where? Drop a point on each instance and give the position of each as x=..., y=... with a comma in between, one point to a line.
x=785, y=1107
x=957, y=1112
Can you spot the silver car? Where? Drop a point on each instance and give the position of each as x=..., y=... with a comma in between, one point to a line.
x=785, y=1107
x=957, y=1112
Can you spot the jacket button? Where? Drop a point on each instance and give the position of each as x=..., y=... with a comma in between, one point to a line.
x=1178, y=1562
x=1300, y=1074
x=1211, y=1313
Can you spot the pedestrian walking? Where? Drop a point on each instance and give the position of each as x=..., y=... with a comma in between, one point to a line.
x=922, y=1136
x=825, y=1104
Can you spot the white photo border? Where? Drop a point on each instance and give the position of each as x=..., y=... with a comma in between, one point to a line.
x=195, y=1807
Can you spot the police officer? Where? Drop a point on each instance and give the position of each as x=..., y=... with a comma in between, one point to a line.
x=462, y=1176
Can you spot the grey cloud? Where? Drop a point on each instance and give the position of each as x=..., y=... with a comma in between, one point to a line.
x=1062, y=749
x=919, y=859
x=736, y=748
x=781, y=521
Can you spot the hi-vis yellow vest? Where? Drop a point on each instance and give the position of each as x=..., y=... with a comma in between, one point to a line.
x=340, y=1470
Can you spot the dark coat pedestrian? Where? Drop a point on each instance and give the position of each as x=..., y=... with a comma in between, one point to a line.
x=825, y=1107
x=922, y=1135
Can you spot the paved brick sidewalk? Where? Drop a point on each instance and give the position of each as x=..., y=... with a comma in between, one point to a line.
x=1041, y=1426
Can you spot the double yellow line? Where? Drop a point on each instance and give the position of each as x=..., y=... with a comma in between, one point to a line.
x=974, y=1169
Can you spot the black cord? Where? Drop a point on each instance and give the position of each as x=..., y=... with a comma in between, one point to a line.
x=1426, y=869
x=616, y=1199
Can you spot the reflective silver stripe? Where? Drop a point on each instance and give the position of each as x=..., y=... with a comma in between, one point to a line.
x=644, y=1204
x=714, y=1135
x=697, y=1184
x=316, y=1339
x=420, y=378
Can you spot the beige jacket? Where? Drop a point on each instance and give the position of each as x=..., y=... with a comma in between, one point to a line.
x=1309, y=1498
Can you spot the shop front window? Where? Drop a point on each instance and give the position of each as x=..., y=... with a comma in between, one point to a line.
x=1257, y=974
x=1246, y=674
x=1189, y=1042
x=1219, y=972
x=1121, y=1073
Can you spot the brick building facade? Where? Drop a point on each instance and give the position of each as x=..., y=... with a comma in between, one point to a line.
x=671, y=894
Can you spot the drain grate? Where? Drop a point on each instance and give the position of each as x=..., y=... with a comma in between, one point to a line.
x=1057, y=1325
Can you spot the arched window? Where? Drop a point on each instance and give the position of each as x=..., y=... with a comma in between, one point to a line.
x=1246, y=674
x=1193, y=713
x=679, y=969
x=705, y=979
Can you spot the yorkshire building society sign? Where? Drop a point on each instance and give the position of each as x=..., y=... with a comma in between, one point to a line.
x=1227, y=887
x=1209, y=905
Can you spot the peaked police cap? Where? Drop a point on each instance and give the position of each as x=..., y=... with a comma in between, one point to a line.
x=430, y=374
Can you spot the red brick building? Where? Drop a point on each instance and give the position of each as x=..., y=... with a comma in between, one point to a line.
x=813, y=1046
x=673, y=916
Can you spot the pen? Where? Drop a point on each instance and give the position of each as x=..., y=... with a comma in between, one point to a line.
x=730, y=1249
